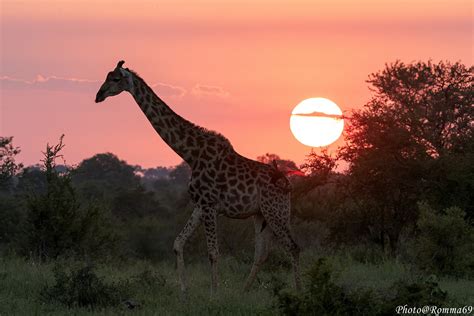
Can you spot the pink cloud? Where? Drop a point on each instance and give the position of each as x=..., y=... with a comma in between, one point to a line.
x=205, y=90
x=55, y=83
x=51, y=83
x=169, y=90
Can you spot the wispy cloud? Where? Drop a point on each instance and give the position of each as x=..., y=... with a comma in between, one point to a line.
x=55, y=83
x=205, y=90
x=166, y=89
x=51, y=83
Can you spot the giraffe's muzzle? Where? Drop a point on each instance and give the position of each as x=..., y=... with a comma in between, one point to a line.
x=99, y=97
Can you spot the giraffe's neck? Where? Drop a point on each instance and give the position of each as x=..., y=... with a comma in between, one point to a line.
x=177, y=132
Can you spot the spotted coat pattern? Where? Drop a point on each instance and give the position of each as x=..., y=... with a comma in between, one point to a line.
x=222, y=182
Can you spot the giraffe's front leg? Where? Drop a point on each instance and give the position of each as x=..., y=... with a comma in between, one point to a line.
x=210, y=224
x=191, y=225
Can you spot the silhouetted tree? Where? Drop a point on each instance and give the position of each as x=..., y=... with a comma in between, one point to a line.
x=285, y=165
x=8, y=166
x=134, y=203
x=316, y=194
x=420, y=116
x=11, y=215
x=104, y=175
x=31, y=179
x=150, y=175
x=57, y=223
x=180, y=174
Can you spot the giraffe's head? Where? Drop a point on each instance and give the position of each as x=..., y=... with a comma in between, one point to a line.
x=118, y=80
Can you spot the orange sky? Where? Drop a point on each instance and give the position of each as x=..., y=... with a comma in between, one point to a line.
x=238, y=67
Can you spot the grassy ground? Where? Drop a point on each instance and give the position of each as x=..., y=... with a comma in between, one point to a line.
x=21, y=283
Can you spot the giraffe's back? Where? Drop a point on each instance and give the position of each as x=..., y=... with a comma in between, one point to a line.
x=232, y=183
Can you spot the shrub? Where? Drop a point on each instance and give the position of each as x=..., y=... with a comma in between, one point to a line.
x=419, y=293
x=149, y=279
x=148, y=238
x=366, y=253
x=278, y=259
x=57, y=223
x=81, y=287
x=445, y=242
x=323, y=297
x=12, y=218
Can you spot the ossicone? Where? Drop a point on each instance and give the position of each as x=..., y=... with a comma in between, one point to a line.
x=120, y=63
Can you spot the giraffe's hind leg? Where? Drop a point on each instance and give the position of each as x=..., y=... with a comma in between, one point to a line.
x=210, y=225
x=275, y=208
x=263, y=239
x=191, y=225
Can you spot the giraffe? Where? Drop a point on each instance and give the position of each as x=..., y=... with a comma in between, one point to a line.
x=222, y=181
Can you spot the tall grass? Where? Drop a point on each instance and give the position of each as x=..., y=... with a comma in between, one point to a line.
x=21, y=282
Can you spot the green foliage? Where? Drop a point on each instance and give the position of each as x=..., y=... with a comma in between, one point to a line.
x=152, y=286
x=148, y=238
x=366, y=253
x=12, y=218
x=31, y=179
x=181, y=174
x=277, y=261
x=319, y=164
x=8, y=166
x=451, y=182
x=445, y=242
x=81, y=287
x=103, y=175
x=133, y=203
x=149, y=279
x=420, y=293
x=406, y=143
x=56, y=222
x=285, y=165
x=324, y=297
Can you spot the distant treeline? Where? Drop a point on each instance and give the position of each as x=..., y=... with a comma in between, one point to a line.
x=407, y=190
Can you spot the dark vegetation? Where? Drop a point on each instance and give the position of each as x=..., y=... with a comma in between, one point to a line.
x=404, y=193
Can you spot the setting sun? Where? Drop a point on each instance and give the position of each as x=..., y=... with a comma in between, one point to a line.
x=316, y=122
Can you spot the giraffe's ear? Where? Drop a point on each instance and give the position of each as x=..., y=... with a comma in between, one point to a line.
x=120, y=63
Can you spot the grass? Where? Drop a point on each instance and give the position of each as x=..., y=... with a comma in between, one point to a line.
x=21, y=282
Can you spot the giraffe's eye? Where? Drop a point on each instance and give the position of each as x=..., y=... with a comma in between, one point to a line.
x=115, y=79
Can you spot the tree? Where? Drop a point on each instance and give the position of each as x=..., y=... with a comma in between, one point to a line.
x=421, y=115
x=318, y=199
x=180, y=174
x=104, y=175
x=57, y=223
x=8, y=166
x=151, y=175
x=31, y=179
x=445, y=242
x=137, y=202
x=284, y=165
x=11, y=215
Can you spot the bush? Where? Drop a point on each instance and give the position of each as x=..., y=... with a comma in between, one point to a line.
x=149, y=279
x=12, y=218
x=278, y=259
x=445, y=242
x=323, y=297
x=419, y=293
x=81, y=287
x=57, y=224
x=366, y=253
x=149, y=239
